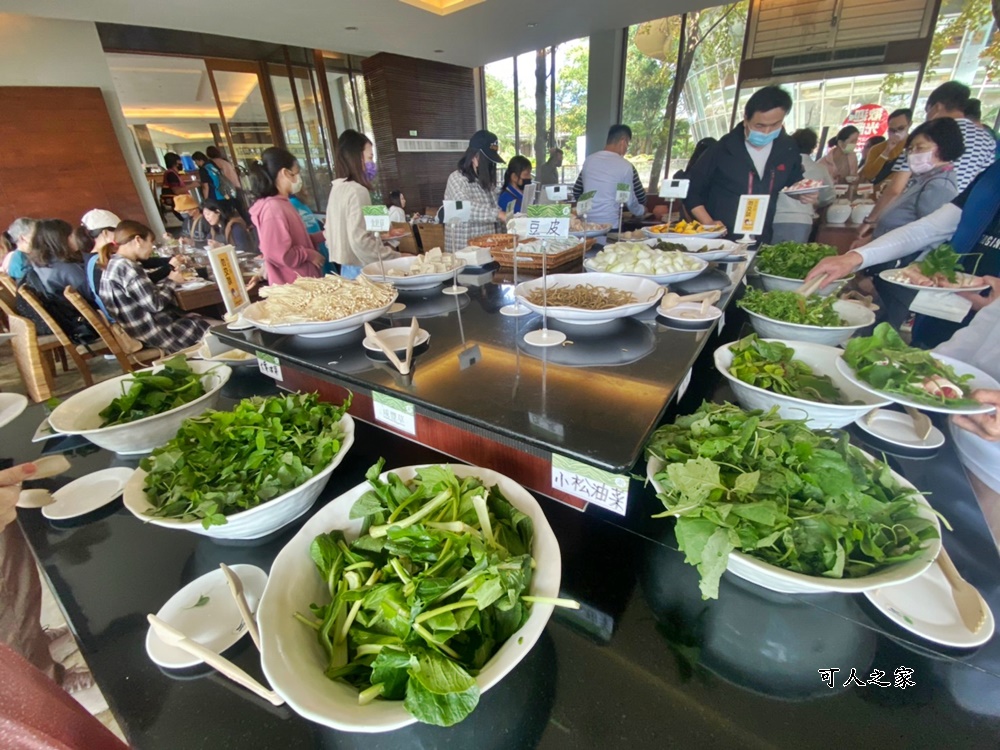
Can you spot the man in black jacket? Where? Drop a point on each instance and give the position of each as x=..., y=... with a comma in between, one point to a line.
x=756, y=157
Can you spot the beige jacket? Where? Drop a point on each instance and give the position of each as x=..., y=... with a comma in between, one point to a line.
x=350, y=244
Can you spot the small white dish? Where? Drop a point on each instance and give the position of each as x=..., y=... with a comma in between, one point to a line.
x=11, y=406
x=979, y=380
x=896, y=428
x=925, y=606
x=395, y=339
x=206, y=612
x=240, y=324
x=87, y=494
x=690, y=313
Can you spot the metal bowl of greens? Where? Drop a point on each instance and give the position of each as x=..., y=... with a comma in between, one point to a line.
x=339, y=642
x=246, y=472
x=799, y=378
x=806, y=512
x=137, y=412
x=816, y=319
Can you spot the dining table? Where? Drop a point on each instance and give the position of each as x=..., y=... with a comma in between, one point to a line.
x=644, y=663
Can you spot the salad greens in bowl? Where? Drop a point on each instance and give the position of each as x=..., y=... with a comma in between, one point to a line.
x=798, y=378
x=408, y=596
x=783, y=267
x=816, y=319
x=244, y=473
x=785, y=507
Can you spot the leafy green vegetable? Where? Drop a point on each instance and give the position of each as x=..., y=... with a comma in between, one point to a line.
x=792, y=260
x=792, y=307
x=202, y=601
x=225, y=462
x=149, y=393
x=886, y=362
x=424, y=598
x=770, y=365
x=941, y=260
x=804, y=501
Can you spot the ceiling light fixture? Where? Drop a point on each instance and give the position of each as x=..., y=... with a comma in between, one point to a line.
x=439, y=52
x=442, y=7
x=350, y=28
x=532, y=25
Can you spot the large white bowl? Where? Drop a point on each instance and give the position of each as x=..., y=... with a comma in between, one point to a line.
x=823, y=361
x=774, y=283
x=659, y=278
x=646, y=291
x=854, y=315
x=716, y=248
x=293, y=659
x=418, y=281
x=254, y=523
x=788, y=582
x=321, y=328
x=80, y=413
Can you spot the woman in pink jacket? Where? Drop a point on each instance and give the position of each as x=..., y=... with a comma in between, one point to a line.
x=289, y=250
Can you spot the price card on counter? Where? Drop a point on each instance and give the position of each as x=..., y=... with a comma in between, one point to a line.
x=269, y=365
x=455, y=211
x=548, y=222
x=623, y=191
x=674, y=189
x=589, y=483
x=682, y=388
x=395, y=413
x=751, y=214
x=228, y=276
x=586, y=203
x=376, y=218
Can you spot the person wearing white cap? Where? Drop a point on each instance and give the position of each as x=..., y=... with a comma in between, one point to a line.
x=475, y=183
x=101, y=223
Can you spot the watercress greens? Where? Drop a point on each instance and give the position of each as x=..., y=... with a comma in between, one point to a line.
x=805, y=501
x=792, y=307
x=792, y=260
x=224, y=462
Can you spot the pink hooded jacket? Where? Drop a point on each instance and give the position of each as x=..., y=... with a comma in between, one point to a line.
x=284, y=242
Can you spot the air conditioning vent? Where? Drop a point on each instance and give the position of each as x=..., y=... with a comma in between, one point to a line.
x=831, y=59
x=434, y=145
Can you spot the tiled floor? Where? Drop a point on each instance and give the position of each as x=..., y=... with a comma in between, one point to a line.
x=64, y=648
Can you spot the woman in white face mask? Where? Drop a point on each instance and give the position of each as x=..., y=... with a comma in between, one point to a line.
x=289, y=250
x=841, y=160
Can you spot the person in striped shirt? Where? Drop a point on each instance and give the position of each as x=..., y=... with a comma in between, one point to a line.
x=947, y=100
x=604, y=171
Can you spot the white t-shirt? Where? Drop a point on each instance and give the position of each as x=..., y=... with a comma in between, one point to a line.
x=759, y=156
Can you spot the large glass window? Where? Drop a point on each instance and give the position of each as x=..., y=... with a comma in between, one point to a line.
x=522, y=120
x=707, y=66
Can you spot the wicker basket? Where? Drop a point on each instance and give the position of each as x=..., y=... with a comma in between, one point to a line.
x=493, y=241
x=533, y=261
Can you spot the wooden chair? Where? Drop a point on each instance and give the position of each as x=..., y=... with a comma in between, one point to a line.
x=6, y=282
x=407, y=245
x=33, y=355
x=79, y=354
x=431, y=236
x=98, y=322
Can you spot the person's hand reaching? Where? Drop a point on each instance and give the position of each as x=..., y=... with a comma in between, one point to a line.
x=10, y=489
x=986, y=426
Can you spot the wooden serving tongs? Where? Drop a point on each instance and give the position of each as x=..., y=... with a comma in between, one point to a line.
x=672, y=299
x=402, y=365
x=809, y=287
x=45, y=468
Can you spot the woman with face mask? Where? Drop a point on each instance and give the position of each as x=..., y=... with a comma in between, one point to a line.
x=289, y=250
x=841, y=160
x=518, y=175
x=350, y=244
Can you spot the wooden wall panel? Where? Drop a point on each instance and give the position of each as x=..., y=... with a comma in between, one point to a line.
x=435, y=99
x=61, y=156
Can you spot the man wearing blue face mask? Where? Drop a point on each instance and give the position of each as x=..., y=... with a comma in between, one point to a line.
x=757, y=157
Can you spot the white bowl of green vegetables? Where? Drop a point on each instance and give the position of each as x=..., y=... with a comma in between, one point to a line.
x=144, y=408
x=244, y=473
x=816, y=319
x=799, y=378
x=787, y=508
x=784, y=266
x=401, y=591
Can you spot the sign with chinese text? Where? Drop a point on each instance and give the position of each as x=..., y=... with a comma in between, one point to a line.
x=395, y=413
x=376, y=218
x=229, y=277
x=623, y=191
x=870, y=120
x=548, y=222
x=585, y=203
x=269, y=365
x=589, y=483
x=751, y=214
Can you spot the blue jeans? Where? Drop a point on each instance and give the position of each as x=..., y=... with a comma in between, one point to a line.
x=350, y=272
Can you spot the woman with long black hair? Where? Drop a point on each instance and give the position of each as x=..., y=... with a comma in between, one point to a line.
x=289, y=250
x=474, y=183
